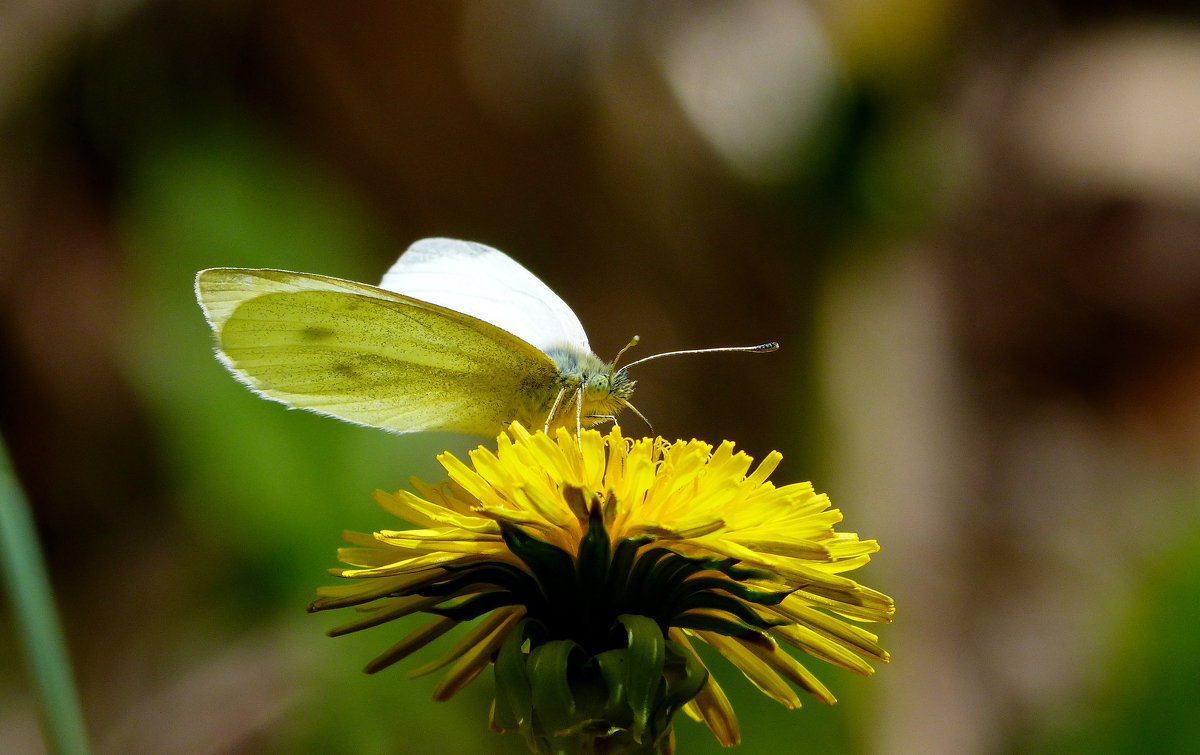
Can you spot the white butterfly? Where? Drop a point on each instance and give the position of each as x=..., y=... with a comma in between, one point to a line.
x=457, y=337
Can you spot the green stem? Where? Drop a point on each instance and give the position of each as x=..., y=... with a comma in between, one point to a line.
x=29, y=590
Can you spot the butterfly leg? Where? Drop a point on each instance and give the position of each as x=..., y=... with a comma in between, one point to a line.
x=554, y=409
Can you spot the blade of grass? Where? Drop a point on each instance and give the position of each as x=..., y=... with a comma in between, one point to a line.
x=37, y=623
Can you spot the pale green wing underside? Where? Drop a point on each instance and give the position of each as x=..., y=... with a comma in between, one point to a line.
x=371, y=356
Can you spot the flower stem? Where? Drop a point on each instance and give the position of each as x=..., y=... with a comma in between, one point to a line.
x=29, y=590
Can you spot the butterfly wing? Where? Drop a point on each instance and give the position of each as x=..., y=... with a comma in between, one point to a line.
x=486, y=283
x=370, y=356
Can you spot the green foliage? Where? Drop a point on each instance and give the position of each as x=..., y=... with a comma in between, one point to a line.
x=1147, y=701
x=265, y=492
x=257, y=482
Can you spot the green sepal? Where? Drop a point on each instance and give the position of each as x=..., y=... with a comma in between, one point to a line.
x=749, y=594
x=647, y=654
x=729, y=567
x=514, y=695
x=653, y=594
x=728, y=604
x=612, y=665
x=669, y=572
x=536, y=630
x=474, y=607
x=509, y=577
x=709, y=623
x=622, y=560
x=620, y=579
x=594, y=550
x=685, y=674
x=553, y=701
x=641, y=570
x=591, y=576
x=552, y=567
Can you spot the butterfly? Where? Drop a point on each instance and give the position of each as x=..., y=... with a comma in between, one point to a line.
x=458, y=336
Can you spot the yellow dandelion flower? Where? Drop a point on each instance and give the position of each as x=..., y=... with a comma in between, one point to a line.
x=594, y=562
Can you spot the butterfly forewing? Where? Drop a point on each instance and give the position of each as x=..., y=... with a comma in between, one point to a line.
x=487, y=284
x=371, y=356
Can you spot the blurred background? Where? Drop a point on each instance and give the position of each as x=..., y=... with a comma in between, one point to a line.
x=974, y=227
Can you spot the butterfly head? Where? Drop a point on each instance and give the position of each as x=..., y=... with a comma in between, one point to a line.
x=589, y=390
x=609, y=388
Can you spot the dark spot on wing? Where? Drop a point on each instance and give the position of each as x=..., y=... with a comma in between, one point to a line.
x=316, y=333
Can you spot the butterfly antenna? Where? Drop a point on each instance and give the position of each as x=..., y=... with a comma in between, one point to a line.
x=762, y=348
x=632, y=342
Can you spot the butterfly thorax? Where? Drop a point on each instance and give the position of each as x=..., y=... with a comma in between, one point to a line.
x=588, y=389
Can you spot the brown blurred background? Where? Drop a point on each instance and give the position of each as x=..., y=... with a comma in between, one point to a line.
x=975, y=228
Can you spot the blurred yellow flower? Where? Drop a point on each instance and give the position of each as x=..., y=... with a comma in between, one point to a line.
x=595, y=562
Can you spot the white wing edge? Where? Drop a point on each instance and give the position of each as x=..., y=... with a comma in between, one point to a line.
x=216, y=322
x=217, y=308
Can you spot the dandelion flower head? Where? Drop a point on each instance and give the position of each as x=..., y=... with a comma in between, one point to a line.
x=593, y=563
